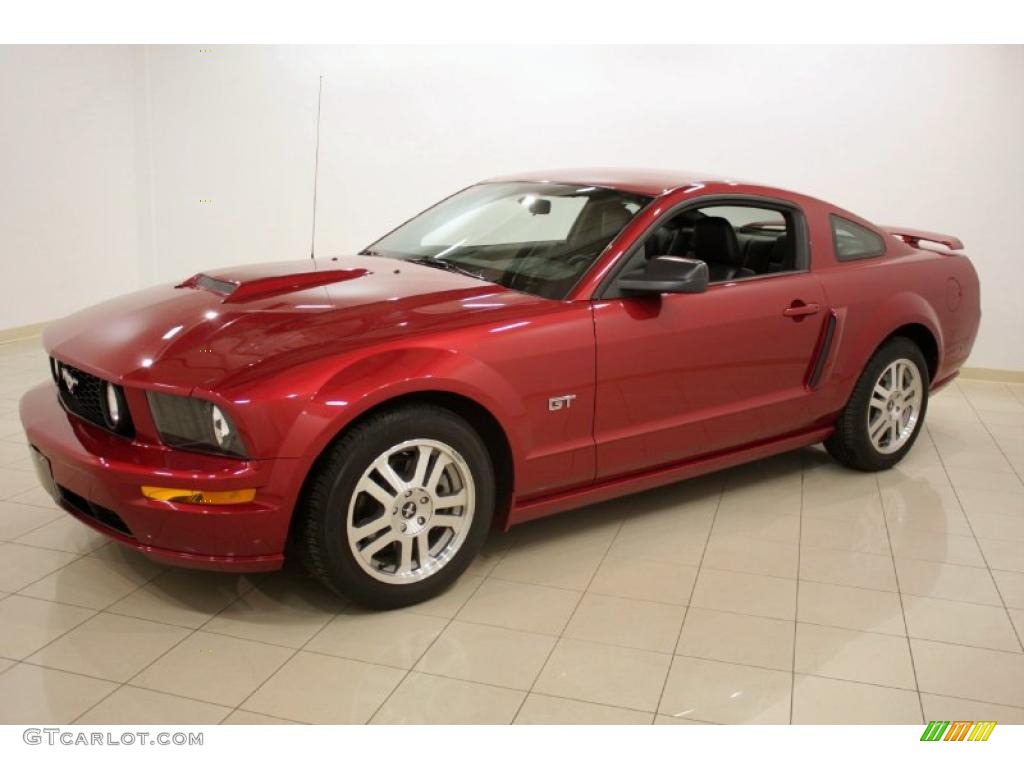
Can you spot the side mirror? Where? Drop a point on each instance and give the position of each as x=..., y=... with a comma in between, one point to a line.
x=668, y=274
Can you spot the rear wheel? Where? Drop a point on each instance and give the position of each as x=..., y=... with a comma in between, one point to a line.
x=886, y=411
x=398, y=507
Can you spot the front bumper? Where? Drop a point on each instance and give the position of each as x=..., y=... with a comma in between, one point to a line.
x=97, y=477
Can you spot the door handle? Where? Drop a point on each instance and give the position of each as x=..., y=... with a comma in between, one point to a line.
x=798, y=309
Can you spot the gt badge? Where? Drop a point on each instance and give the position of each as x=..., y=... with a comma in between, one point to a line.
x=558, y=403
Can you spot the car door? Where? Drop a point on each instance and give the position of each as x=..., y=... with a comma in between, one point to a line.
x=686, y=375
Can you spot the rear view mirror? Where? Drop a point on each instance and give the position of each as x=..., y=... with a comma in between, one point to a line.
x=668, y=274
x=537, y=206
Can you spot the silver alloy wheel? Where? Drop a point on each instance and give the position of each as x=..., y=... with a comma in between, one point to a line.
x=895, y=406
x=411, y=511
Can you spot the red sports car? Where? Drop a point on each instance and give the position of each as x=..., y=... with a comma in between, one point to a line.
x=530, y=344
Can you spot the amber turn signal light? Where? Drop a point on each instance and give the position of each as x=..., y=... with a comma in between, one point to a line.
x=188, y=496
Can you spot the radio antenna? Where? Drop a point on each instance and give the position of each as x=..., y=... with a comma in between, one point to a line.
x=316, y=167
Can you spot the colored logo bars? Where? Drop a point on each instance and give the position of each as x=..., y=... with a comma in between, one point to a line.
x=958, y=730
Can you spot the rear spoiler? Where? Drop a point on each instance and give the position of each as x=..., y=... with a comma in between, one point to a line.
x=913, y=237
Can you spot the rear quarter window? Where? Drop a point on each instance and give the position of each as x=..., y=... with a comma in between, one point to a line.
x=852, y=241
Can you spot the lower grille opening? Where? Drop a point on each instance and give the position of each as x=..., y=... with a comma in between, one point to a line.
x=105, y=517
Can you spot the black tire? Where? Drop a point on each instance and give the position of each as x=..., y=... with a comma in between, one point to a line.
x=850, y=444
x=322, y=527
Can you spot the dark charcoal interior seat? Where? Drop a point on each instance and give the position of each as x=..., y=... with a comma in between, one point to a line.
x=783, y=254
x=758, y=255
x=599, y=220
x=715, y=243
x=668, y=240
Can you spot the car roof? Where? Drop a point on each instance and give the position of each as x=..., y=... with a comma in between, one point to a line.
x=636, y=180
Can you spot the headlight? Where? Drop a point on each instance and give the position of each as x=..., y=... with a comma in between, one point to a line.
x=198, y=425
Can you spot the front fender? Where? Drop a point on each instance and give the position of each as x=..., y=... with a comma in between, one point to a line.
x=382, y=376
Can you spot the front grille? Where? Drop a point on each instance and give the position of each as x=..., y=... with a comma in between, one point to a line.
x=83, y=394
x=105, y=517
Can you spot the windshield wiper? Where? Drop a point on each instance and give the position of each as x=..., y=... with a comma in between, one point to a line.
x=427, y=261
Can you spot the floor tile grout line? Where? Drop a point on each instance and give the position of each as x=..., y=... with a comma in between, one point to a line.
x=1013, y=391
x=55, y=549
x=577, y=701
x=791, y=578
x=121, y=684
x=887, y=554
x=1011, y=395
x=689, y=599
x=204, y=626
x=607, y=644
x=568, y=621
x=710, y=532
x=418, y=659
x=92, y=554
x=778, y=669
x=399, y=668
x=796, y=598
x=104, y=609
x=993, y=438
x=266, y=577
x=287, y=720
x=981, y=550
x=441, y=676
x=71, y=629
x=96, y=611
x=295, y=652
x=301, y=722
x=304, y=646
x=516, y=690
x=997, y=513
x=33, y=530
x=189, y=634
x=899, y=596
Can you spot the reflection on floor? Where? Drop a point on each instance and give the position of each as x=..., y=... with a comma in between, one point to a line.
x=790, y=590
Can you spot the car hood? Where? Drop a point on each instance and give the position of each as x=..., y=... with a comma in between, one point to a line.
x=225, y=322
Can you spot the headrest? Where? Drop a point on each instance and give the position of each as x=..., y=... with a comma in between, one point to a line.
x=783, y=253
x=602, y=219
x=714, y=242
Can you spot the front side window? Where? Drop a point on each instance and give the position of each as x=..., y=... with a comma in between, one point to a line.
x=737, y=241
x=535, y=238
x=852, y=241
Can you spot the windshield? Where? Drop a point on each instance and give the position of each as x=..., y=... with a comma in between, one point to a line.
x=535, y=238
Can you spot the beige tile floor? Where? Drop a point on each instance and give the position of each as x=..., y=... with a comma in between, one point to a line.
x=790, y=590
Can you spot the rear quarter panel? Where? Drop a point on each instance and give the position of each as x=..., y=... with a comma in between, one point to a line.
x=873, y=297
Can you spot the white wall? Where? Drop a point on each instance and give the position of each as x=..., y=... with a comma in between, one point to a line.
x=68, y=215
x=925, y=137
x=235, y=127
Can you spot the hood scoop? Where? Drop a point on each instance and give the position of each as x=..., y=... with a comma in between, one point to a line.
x=235, y=292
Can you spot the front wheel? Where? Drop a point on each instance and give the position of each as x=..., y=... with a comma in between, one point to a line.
x=886, y=411
x=398, y=507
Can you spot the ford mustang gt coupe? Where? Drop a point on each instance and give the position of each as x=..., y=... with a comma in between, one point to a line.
x=530, y=344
